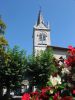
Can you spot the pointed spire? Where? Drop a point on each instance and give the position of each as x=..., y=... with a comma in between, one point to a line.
x=40, y=18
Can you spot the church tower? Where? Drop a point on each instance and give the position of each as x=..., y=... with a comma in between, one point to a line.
x=41, y=35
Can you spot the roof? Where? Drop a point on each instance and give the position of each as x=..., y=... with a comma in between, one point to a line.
x=58, y=48
x=40, y=22
x=40, y=18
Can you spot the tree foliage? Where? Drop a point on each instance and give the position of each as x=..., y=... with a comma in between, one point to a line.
x=15, y=66
x=2, y=26
x=3, y=41
x=41, y=67
x=12, y=65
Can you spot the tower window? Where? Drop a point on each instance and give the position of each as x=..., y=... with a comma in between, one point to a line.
x=42, y=37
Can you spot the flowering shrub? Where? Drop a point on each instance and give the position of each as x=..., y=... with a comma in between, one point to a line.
x=26, y=96
x=67, y=98
x=44, y=95
x=56, y=88
x=34, y=95
x=55, y=80
x=65, y=70
x=56, y=96
x=71, y=57
x=70, y=61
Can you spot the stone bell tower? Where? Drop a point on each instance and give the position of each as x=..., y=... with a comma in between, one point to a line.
x=41, y=35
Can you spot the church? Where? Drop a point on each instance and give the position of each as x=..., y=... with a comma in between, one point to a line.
x=42, y=39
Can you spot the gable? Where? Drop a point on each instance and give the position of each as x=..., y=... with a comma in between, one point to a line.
x=41, y=26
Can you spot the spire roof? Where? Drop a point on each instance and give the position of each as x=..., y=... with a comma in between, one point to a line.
x=40, y=22
x=40, y=18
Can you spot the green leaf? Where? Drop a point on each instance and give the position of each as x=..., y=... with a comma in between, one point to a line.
x=51, y=98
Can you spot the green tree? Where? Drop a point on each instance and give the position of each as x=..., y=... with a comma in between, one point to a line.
x=12, y=65
x=3, y=54
x=2, y=27
x=3, y=62
x=3, y=42
x=15, y=68
x=41, y=67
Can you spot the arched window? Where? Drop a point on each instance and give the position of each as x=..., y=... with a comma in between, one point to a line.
x=42, y=37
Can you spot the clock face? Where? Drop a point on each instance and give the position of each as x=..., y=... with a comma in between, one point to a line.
x=42, y=38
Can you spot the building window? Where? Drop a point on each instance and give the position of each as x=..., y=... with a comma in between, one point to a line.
x=42, y=37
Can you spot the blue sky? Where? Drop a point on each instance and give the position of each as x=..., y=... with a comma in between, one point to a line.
x=21, y=15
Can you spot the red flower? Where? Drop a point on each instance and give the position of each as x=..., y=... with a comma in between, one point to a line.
x=44, y=90
x=70, y=61
x=67, y=98
x=73, y=92
x=37, y=98
x=43, y=95
x=71, y=50
x=56, y=96
x=34, y=93
x=26, y=96
x=66, y=61
x=70, y=47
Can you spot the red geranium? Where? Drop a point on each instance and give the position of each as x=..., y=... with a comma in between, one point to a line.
x=35, y=93
x=67, y=98
x=71, y=57
x=43, y=95
x=73, y=91
x=56, y=96
x=26, y=96
x=71, y=50
x=44, y=90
